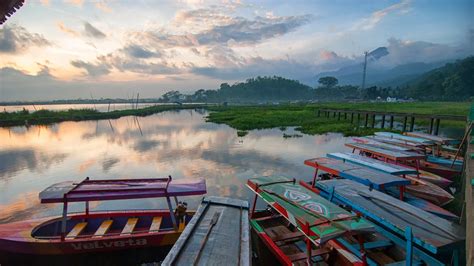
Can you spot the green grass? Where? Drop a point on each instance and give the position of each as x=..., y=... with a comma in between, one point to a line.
x=304, y=117
x=245, y=118
x=44, y=117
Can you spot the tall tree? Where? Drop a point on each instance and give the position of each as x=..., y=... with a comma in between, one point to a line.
x=328, y=81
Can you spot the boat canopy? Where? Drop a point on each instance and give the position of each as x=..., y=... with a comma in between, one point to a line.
x=437, y=139
x=405, y=138
x=399, y=142
x=116, y=189
x=361, y=174
x=317, y=218
x=429, y=231
x=393, y=169
x=383, y=145
x=389, y=154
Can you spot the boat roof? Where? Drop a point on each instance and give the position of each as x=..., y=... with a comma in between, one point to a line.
x=405, y=138
x=317, y=218
x=393, y=169
x=429, y=231
x=228, y=243
x=393, y=141
x=390, y=154
x=116, y=189
x=384, y=145
x=436, y=139
x=358, y=173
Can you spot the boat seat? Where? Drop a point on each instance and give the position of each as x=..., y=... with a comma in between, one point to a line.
x=103, y=228
x=287, y=236
x=76, y=230
x=128, y=228
x=156, y=224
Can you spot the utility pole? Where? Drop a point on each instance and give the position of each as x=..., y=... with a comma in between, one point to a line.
x=365, y=70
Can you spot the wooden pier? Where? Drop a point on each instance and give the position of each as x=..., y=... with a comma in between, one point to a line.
x=389, y=117
x=469, y=192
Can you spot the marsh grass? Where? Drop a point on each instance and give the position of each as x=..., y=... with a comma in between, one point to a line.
x=304, y=117
x=44, y=117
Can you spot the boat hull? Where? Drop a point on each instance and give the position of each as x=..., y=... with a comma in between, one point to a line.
x=428, y=191
x=17, y=237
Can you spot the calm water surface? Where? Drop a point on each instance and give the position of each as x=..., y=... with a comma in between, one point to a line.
x=180, y=144
x=101, y=107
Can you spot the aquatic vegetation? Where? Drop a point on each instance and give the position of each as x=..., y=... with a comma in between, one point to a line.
x=305, y=119
x=44, y=117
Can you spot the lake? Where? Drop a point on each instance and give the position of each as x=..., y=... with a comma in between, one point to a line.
x=180, y=144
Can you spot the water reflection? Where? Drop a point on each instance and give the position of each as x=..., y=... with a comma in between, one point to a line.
x=178, y=143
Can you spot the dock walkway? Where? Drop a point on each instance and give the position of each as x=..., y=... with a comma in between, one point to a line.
x=367, y=116
x=469, y=196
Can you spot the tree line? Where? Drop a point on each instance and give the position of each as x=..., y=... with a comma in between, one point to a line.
x=453, y=81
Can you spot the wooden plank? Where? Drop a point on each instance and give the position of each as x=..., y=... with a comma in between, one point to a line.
x=128, y=228
x=156, y=224
x=303, y=255
x=78, y=228
x=103, y=228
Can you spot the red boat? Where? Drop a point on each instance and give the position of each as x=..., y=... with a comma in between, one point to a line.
x=106, y=230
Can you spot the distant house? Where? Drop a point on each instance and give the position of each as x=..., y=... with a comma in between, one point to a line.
x=391, y=100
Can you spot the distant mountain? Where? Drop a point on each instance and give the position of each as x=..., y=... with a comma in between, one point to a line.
x=379, y=76
x=453, y=81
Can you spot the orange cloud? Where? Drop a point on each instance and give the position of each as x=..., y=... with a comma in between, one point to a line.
x=67, y=30
x=75, y=2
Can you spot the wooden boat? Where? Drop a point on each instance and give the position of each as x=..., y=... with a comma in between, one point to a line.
x=407, y=158
x=218, y=234
x=446, y=162
x=437, y=153
x=408, y=139
x=446, y=172
x=105, y=230
x=388, y=183
x=398, y=142
x=436, y=139
x=431, y=239
x=301, y=227
x=384, y=145
x=418, y=188
x=431, y=163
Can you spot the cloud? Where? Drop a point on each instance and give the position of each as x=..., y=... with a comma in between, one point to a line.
x=67, y=30
x=92, y=31
x=76, y=2
x=102, y=5
x=93, y=70
x=14, y=38
x=405, y=51
x=376, y=17
x=139, y=52
x=239, y=30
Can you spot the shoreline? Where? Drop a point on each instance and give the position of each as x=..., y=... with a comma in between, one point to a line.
x=248, y=117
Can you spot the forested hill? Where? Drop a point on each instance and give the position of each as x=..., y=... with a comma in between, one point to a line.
x=266, y=88
x=253, y=90
x=454, y=81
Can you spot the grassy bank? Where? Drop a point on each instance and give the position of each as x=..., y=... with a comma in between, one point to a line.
x=244, y=118
x=304, y=117
x=44, y=117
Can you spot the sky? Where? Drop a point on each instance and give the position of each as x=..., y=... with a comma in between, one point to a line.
x=67, y=49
